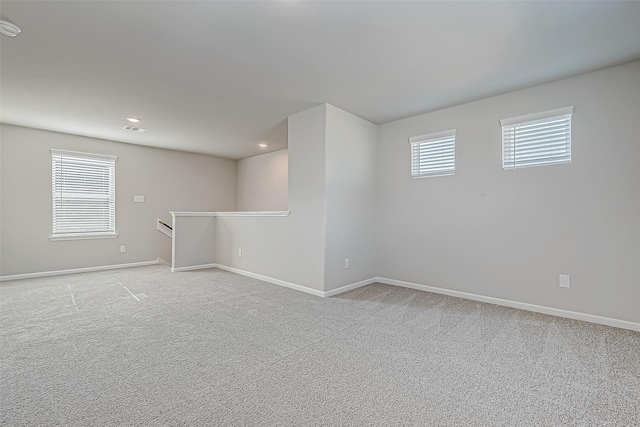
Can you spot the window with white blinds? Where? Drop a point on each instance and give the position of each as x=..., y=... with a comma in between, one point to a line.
x=433, y=154
x=537, y=139
x=84, y=199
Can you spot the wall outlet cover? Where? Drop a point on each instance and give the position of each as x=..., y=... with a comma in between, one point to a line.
x=565, y=281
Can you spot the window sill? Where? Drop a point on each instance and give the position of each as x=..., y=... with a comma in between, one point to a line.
x=82, y=236
x=433, y=175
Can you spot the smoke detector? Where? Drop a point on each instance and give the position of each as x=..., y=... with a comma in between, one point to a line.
x=9, y=29
x=135, y=129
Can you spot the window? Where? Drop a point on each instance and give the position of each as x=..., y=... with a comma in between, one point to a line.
x=433, y=154
x=537, y=139
x=84, y=202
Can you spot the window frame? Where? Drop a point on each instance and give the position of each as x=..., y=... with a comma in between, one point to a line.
x=109, y=163
x=529, y=120
x=432, y=138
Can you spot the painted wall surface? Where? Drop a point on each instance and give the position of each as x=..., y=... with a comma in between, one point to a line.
x=509, y=234
x=286, y=248
x=169, y=180
x=193, y=241
x=351, y=162
x=263, y=182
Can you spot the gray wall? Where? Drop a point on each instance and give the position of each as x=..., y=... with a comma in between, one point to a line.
x=169, y=180
x=351, y=160
x=332, y=163
x=286, y=248
x=509, y=234
x=194, y=241
x=485, y=231
x=263, y=182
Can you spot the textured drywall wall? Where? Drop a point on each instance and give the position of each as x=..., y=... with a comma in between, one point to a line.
x=509, y=234
x=169, y=180
x=194, y=241
x=351, y=161
x=263, y=182
x=332, y=163
x=286, y=248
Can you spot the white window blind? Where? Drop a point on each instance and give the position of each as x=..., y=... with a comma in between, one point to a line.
x=537, y=139
x=84, y=203
x=433, y=154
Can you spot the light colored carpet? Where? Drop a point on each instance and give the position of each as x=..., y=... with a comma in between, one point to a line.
x=143, y=346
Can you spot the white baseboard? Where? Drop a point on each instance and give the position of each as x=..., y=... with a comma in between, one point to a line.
x=193, y=267
x=617, y=323
x=163, y=262
x=272, y=280
x=76, y=270
x=350, y=287
x=297, y=287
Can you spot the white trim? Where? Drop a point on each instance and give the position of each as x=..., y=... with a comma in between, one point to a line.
x=175, y=214
x=173, y=241
x=608, y=321
x=434, y=175
x=82, y=236
x=255, y=213
x=163, y=227
x=163, y=262
x=278, y=281
x=271, y=280
x=76, y=270
x=434, y=135
x=537, y=116
x=350, y=287
x=617, y=323
x=193, y=267
x=297, y=287
x=56, y=152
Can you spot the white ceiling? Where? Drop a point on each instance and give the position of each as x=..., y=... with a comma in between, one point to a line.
x=219, y=77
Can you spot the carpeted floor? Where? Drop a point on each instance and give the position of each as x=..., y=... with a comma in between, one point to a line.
x=146, y=347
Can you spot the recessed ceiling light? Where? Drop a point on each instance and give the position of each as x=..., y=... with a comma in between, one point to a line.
x=262, y=145
x=134, y=119
x=9, y=29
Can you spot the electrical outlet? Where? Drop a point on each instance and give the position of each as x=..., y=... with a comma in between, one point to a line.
x=138, y=199
x=347, y=263
x=239, y=252
x=123, y=249
x=565, y=281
